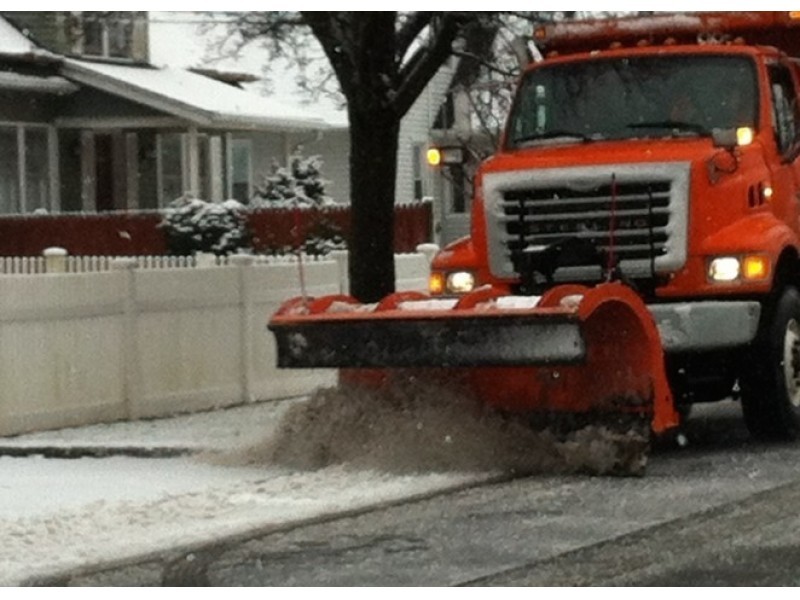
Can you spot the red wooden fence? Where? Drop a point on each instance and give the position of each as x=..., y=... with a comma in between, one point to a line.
x=138, y=234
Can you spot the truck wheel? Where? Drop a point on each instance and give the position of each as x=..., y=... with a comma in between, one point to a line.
x=770, y=383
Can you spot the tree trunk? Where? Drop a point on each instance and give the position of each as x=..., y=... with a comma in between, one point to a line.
x=373, y=169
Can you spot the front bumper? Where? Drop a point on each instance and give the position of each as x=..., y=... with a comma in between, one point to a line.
x=706, y=325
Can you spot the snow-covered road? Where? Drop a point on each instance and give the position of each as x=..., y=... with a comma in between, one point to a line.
x=237, y=472
x=57, y=515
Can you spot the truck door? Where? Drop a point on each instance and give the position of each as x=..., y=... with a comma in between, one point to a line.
x=786, y=129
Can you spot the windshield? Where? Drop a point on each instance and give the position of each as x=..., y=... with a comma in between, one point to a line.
x=634, y=97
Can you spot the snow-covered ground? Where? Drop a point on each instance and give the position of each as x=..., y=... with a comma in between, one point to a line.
x=60, y=514
x=87, y=497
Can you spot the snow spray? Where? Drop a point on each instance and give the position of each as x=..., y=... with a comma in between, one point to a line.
x=413, y=428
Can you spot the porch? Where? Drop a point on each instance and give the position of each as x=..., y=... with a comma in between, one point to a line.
x=93, y=136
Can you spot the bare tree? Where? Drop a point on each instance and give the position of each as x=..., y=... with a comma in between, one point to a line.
x=382, y=62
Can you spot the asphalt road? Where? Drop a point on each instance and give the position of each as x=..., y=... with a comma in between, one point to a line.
x=722, y=511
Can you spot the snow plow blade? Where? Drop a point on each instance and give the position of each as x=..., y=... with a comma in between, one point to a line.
x=575, y=350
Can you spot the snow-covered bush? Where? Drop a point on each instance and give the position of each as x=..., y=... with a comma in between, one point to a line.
x=299, y=186
x=192, y=225
x=323, y=238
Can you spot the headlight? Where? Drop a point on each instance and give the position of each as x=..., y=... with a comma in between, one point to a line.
x=460, y=282
x=724, y=268
x=751, y=267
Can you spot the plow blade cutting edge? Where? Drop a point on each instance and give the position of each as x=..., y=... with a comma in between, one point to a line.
x=572, y=351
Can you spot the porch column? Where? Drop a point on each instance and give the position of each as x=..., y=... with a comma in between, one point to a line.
x=132, y=170
x=88, y=172
x=119, y=170
x=193, y=161
x=21, y=174
x=216, y=165
x=229, y=165
x=54, y=171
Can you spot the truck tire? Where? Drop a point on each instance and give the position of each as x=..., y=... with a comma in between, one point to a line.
x=770, y=382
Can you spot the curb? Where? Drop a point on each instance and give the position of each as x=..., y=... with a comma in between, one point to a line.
x=74, y=452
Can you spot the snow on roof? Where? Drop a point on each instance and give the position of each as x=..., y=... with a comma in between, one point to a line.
x=31, y=83
x=176, y=39
x=14, y=42
x=188, y=95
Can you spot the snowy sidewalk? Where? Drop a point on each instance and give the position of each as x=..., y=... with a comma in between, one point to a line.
x=218, y=430
x=112, y=505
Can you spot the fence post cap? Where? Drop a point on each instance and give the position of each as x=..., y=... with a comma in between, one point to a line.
x=205, y=259
x=54, y=251
x=241, y=260
x=122, y=264
x=428, y=251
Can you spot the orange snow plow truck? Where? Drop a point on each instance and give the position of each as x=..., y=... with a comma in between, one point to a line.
x=635, y=240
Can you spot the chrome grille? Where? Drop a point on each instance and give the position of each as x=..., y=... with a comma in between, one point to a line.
x=644, y=212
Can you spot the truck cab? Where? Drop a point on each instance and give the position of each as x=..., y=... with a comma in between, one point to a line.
x=663, y=152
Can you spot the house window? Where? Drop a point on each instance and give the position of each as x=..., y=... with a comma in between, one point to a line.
x=24, y=168
x=204, y=167
x=174, y=169
x=416, y=165
x=106, y=34
x=37, y=172
x=241, y=170
x=170, y=167
x=9, y=170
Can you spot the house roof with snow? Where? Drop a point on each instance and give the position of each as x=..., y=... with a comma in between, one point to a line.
x=178, y=92
x=17, y=47
x=191, y=96
x=14, y=43
x=177, y=39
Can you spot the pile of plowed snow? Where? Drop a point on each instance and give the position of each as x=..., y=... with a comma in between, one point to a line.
x=415, y=428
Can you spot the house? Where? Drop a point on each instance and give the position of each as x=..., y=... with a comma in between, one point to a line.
x=112, y=132
x=178, y=39
x=87, y=124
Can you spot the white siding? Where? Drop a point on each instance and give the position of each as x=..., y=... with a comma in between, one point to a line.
x=414, y=130
x=266, y=148
x=334, y=148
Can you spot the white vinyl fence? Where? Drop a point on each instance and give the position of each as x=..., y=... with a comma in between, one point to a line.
x=128, y=340
x=58, y=263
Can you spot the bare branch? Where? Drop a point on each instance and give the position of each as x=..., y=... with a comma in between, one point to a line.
x=332, y=31
x=490, y=65
x=426, y=61
x=412, y=25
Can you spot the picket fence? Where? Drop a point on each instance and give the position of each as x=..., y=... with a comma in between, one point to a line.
x=57, y=262
x=117, y=339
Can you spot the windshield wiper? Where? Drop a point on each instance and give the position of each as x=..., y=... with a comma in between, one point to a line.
x=550, y=135
x=685, y=126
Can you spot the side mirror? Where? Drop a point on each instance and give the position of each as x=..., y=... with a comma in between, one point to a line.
x=725, y=138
